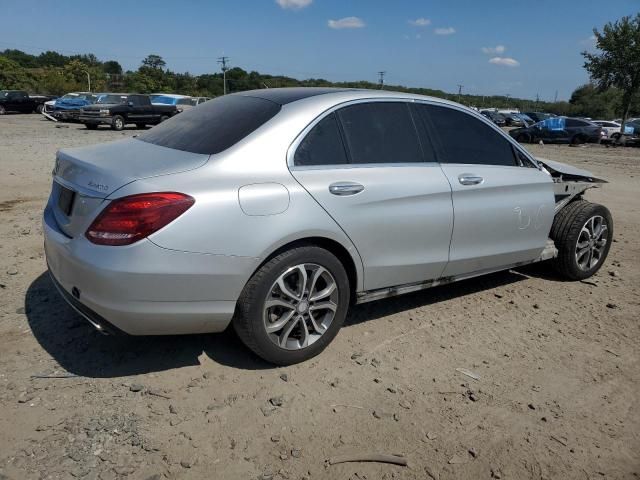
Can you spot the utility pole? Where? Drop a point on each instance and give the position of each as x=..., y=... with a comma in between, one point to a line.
x=508, y=95
x=88, y=79
x=555, y=98
x=223, y=61
x=459, y=91
x=381, y=79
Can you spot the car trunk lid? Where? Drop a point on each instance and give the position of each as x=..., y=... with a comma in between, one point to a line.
x=84, y=177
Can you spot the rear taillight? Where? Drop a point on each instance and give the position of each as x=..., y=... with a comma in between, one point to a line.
x=129, y=219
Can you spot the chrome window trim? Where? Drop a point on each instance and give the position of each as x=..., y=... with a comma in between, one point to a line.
x=298, y=139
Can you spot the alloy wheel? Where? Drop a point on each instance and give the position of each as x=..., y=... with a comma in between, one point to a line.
x=300, y=306
x=591, y=243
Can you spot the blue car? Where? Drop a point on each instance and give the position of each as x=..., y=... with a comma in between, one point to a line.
x=68, y=106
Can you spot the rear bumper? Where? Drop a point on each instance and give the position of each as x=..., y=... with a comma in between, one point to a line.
x=144, y=289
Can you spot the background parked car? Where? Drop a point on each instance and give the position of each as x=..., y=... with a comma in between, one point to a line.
x=559, y=130
x=181, y=102
x=21, y=101
x=199, y=100
x=119, y=109
x=512, y=120
x=526, y=119
x=68, y=106
x=495, y=117
x=608, y=126
x=539, y=116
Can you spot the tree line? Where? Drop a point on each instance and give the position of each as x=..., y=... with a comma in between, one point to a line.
x=56, y=74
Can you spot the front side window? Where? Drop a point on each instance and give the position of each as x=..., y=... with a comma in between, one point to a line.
x=322, y=145
x=380, y=132
x=466, y=139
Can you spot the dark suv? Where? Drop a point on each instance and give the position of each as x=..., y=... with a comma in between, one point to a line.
x=559, y=130
x=119, y=109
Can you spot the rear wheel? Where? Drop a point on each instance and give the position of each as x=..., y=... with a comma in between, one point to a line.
x=293, y=306
x=577, y=140
x=163, y=118
x=523, y=138
x=117, y=123
x=39, y=108
x=582, y=232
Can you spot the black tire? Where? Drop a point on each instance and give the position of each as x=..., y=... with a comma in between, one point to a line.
x=616, y=136
x=523, y=138
x=163, y=118
x=39, y=108
x=91, y=126
x=577, y=140
x=117, y=123
x=248, y=320
x=566, y=232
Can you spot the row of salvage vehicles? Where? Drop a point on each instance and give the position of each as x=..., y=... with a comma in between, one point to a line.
x=116, y=110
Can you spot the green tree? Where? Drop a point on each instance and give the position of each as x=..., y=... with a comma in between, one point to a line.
x=112, y=67
x=617, y=64
x=154, y=61
x=52, y=59
x=12, y=75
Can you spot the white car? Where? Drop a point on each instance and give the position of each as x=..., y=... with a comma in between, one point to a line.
x=608, y=126
x=182, y=102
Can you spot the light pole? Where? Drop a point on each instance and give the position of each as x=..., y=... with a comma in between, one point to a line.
x=88, y=79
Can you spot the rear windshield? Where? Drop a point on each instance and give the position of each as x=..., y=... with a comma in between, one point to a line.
x=214, y=126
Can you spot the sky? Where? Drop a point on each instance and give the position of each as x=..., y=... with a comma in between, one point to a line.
x=490, y=47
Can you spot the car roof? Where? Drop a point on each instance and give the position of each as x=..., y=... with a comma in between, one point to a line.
x=293, y=95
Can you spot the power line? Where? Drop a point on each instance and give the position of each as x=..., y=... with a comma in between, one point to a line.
x=381, y=79
x=223, y=61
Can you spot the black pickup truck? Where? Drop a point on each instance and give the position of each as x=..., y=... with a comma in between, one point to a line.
x=120, y=109
x=21, y=101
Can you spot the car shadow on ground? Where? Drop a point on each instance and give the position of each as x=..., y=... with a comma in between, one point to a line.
x=79, y=349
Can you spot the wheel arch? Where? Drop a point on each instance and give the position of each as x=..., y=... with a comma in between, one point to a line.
x=350, y=260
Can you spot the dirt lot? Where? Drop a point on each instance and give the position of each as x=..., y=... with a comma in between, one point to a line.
x=557, y=397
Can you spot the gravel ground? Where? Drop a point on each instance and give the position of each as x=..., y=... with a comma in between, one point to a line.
x=558, y=365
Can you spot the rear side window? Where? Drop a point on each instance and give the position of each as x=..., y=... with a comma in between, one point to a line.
x=215, y=126
x=465, y=139
x=322, y=145
x=380, y=132
x=570, y=122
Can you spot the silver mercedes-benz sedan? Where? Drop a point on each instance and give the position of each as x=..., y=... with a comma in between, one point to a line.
x=274, y=210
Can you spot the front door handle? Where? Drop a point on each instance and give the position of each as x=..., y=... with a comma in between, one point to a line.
x=470, y=179
x=345, y=188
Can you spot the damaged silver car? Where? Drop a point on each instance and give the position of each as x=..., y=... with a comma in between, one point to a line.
x=275, y=210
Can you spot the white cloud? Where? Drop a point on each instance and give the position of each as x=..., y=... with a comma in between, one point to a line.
x=497, y=50
x=294, y=4
x=346, y=22
x=590, y=42
x=420, y=22
x=504, y=61
x=445, y=31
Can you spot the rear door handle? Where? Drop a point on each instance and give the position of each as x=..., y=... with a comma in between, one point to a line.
x=345, y=188
x=470, y=179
